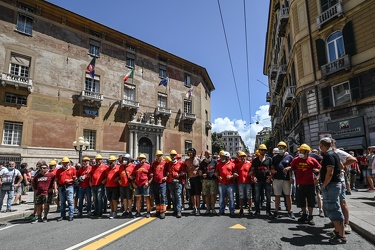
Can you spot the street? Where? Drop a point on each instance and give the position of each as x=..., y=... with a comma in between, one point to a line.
x=189, y=232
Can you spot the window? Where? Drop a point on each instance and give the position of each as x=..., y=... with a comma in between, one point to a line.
x=162, y=100
x=205, y=111
x=188, y=126
x=187, y=107
x=92, y=85
x=326, y=4
x=335, y=46
x=341, y=94
x=130, y=59
x=187, y=81
x=90, y=136
x=19, y=65
x=12, y=133
x=24, y=22
x=162, y=70
x=188, y=144
x=129, y=92
x=94, y=48
x=15, y=99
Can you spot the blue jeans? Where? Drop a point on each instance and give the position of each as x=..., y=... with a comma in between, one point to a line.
x=176, y=190
x=260, y=189
x=65, y=196
x=81, y=195
x=331, y=201
x=9, y=200
x=160, y=191
x=98, y=194
x=224, y=190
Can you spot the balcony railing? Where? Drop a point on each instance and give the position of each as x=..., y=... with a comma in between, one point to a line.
x=208, y=125
x=189, y=116
x=272, y=106
x=283, y=21
x=268, y=97
x=164, y=111
x=281, y=72
x=129, y=103
x=326, y=16
x=343, y=63
x=90, y=95
x=17, y=81
x=288, y=96
x=273, y=71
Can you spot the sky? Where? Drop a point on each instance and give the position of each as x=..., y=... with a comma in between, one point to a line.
x=193, y=30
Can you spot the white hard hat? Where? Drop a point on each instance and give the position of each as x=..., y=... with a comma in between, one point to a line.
x=275, y=151
x=226, y=153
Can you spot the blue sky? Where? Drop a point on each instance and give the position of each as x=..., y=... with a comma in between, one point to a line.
x=193, y=30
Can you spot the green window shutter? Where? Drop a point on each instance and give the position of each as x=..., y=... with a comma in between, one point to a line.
x=321, y=52
x=349, y=42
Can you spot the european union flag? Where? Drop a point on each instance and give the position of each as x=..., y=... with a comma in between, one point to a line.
x=164, y=81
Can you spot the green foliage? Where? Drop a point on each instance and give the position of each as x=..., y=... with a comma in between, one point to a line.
x=217, y=143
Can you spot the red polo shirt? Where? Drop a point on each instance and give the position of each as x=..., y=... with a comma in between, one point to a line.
x=225, y=169
x=129, y=171
x=159, y=170
x=63, y=174
x=304, y=170
x=243, y=172
x=98, y=174
x=142, y=173
x=84, y=172
x=112, y=174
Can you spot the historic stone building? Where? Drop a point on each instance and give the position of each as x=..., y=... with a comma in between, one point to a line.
x=320, y=62
x=48, y=98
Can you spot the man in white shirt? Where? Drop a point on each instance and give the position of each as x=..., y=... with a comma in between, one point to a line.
x=8, y=176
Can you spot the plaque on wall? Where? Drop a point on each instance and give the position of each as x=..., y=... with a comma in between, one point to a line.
x=90, y=111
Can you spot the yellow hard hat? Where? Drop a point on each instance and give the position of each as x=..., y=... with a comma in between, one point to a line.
x=173, y=152
x=53, y=162
x=65, y=160
x=305, y=147
x=281, y=143
x=241, y=153
x=112, y=158
x=159, y=152
x=221, y=152
x=168, y=159
x=262, y=146
x=98, y=157
x=142, y=156
x=86, y=158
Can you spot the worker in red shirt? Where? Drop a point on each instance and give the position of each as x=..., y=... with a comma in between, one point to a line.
x=159, y=185
x=112, y=186
x=126, y=171
x=143, y=179
x=83, y=176
x=65, y=177
x=244, y=181
x=98, y=178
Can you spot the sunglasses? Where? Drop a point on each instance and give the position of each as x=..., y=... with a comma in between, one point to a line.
x=43, y=167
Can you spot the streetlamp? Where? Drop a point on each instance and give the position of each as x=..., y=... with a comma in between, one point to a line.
x=81, y=145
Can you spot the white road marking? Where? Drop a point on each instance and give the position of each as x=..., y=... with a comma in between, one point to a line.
x=7, y=227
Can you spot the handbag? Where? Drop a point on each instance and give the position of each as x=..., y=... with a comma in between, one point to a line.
x=8, y=186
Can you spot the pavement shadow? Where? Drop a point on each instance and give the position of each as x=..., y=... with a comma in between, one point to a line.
x=363, y=198
x=314, y=236
x=20, y=221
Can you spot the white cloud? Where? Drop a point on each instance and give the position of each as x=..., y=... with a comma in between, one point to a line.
x=247, y=131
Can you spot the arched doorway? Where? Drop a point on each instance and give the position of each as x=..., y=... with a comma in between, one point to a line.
x=145, y=147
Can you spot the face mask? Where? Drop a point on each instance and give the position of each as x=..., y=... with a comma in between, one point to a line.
x=281, y=151
x=10, y=169
x=174, y=161
x=125, y=162
x=301, y=155
x=364, y=154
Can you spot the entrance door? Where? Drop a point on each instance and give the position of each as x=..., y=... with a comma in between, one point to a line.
x=145, y=147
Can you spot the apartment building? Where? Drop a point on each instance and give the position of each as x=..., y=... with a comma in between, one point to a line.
x=319, y=59
x=233, y=142
x=64, y=76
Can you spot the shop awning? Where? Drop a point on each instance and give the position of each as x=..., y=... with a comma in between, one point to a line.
x=352, y=143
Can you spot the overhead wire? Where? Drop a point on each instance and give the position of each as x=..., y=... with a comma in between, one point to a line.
x=247, y=63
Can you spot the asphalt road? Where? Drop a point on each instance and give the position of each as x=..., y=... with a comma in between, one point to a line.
x=188, y=232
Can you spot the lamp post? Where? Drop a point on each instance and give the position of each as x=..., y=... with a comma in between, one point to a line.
x=81, y=145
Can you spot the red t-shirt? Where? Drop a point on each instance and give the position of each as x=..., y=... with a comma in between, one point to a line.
x=112, y=174
x=225, y=169
x=63, y=174
x=304, y=170
x=159, y=170
x=43, y=182
x=142, y=173
x=98, y=174
x=363, y=161
x=173, y=169
x=243, y=172
x=84, y=172
x=129, y=170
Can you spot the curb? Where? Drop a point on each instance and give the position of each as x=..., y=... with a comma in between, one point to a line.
x=369, y=236
x=15, y=216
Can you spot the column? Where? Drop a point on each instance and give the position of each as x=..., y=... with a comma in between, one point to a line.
x=161, y=142
x=135, y=145
x=157, y=146
x=131, y=142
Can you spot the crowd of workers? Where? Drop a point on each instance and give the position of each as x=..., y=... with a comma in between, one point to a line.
x=239, y=181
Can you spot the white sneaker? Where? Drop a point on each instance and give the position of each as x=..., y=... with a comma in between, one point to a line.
x=111, y=215
x=321, y=214
x=348, y=229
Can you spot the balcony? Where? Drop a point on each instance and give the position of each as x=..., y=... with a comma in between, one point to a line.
x=273, y=71
x=208, y=125
x=276, y=121
x=342, y=63
x=281, y=72
x=288, y=96
x=283, y=21
x=91, y=96
x=131, y=104
x=272, y=106
x=189, y=117
x=163, y=111
x=268, y=97
x=17, y=81
x=335, y=11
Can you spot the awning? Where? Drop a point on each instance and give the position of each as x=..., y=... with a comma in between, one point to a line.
x=352, y=143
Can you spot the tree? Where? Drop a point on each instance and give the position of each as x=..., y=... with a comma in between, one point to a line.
x=217, y=142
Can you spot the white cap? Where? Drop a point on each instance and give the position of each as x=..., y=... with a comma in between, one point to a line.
x=275, y=151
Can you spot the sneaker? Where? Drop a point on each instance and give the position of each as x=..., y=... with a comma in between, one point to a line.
x=303, y=218
x=198, y=212
x=162, y=216
x=178, y=214
x=130, y=215
x=214, y=212
x=110, y=215
x=221, y=213
x=276, y=215
x=61, y=218
x=125, y=214
x=207, y=211
x=321, y=213
x=337, y=240
x=332, y=233
x=147, y=215
x=291, y=215
x=226, y=208
x=241, y=212
x=257, y=213
x=193, y=212
x=251, y=212
x=269, y=214
x=45, y=219
x=311, y=220
x=348, y=193
x=36, y=220
x=348, y=229
x=70, y=218
x=137, y=214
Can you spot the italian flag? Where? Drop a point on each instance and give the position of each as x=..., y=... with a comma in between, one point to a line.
x=129, y=75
